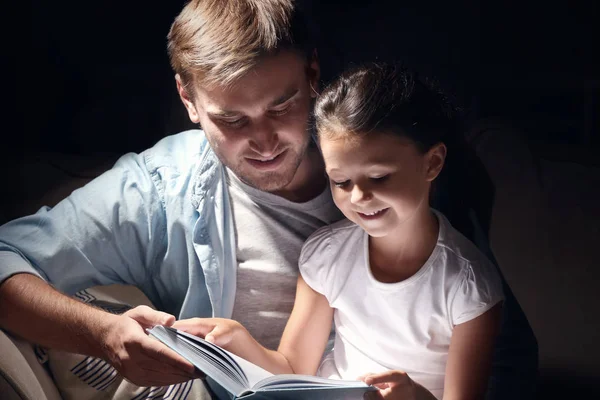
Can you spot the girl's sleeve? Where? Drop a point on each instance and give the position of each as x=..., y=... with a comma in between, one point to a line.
x=478, y=289
x=315, y=262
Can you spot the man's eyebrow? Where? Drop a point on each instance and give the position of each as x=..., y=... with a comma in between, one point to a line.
x=282, y=99
x=230, y=113
x=221, y=113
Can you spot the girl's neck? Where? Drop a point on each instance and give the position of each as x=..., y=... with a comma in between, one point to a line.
x=399, y=255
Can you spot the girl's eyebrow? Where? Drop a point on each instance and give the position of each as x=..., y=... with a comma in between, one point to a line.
x=330, y=170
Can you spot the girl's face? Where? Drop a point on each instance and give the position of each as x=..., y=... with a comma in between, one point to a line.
x=380, y=180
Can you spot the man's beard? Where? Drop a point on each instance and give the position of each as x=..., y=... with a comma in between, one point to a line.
x=269, y=181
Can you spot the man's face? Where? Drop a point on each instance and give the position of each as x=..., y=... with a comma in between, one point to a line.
x=258, y=127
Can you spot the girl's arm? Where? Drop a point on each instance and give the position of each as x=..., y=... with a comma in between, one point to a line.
x=306, y=333
x=301, y=347
x=470, y=356
x=467, y=369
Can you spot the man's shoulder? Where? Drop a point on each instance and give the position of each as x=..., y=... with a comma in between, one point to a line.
x=178, y=164
x=179, y=151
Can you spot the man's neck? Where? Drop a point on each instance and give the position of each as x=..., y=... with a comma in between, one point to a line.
x=309, y=181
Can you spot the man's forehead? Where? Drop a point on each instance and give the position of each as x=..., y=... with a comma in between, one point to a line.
x=274, y=79
x=234, y=101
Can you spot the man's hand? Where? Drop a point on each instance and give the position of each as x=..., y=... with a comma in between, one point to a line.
x=395, y=385
x=35, y=311
x=138, y=357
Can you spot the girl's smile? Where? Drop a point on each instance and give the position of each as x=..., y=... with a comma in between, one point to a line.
x=379, y=180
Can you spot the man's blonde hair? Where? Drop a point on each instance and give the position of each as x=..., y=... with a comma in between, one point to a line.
x=218, y=41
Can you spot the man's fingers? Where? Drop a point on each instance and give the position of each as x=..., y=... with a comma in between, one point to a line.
x=163, y=372
x=147, y=317
x=148, y=377
x=161, y=353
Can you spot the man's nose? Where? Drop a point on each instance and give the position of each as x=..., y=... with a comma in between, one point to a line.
x=264, y=140
x=360, y=194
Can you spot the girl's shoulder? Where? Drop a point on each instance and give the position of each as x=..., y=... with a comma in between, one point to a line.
x=329, y=254
x=329, y=241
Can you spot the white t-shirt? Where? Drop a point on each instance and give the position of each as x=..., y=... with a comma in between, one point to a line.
x=270, y=232
x=403, y=326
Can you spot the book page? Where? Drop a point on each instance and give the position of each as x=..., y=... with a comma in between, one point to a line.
x=250, y=372
x=253, y=372
x=312, y=393
x=219, y=366
x=305, y=381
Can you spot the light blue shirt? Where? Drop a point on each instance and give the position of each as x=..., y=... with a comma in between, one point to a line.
x=160, y=220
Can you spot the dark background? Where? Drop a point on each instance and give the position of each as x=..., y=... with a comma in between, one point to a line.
x=87, y=81
x=93, y=77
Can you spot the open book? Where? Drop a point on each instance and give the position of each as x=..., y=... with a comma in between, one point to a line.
x=245, y=380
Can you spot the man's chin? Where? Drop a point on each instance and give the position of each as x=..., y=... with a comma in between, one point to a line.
x=268, y=182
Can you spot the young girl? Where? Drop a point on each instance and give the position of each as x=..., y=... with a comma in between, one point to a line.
x=415, y=304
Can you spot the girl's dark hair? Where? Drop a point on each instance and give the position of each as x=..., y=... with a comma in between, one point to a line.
x=390, y=98
x=385, y=98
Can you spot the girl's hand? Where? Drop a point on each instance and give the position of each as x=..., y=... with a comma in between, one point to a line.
x=395, y=385
x=233, y=337
x=220, y=331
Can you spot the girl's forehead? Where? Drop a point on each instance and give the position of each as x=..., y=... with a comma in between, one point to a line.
x=372, y=149
x=373, y=142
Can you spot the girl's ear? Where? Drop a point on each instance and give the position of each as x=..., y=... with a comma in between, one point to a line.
x=434, y=159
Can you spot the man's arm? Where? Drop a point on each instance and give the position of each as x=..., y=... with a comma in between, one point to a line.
x=108, y=232
x=33, y=310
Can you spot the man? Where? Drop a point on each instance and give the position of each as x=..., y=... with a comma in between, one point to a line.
x=205, y=223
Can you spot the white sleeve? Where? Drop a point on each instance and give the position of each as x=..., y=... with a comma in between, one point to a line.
x=478, y=290
x=315, y=261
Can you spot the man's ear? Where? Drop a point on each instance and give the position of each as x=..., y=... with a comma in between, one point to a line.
x=435, y=159
x=313, y=72
x=187, y=100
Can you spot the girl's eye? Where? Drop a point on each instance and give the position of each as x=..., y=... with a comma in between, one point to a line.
x=341, y=184
x=380, y=179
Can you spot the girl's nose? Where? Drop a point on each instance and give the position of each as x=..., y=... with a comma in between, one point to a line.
x=360, y=195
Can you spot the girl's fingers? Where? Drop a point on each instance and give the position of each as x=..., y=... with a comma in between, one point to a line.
x=393, y=376
x=196, y=326
x=221, y=335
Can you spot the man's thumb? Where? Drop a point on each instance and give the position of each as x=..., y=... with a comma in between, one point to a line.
x=148, y=317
